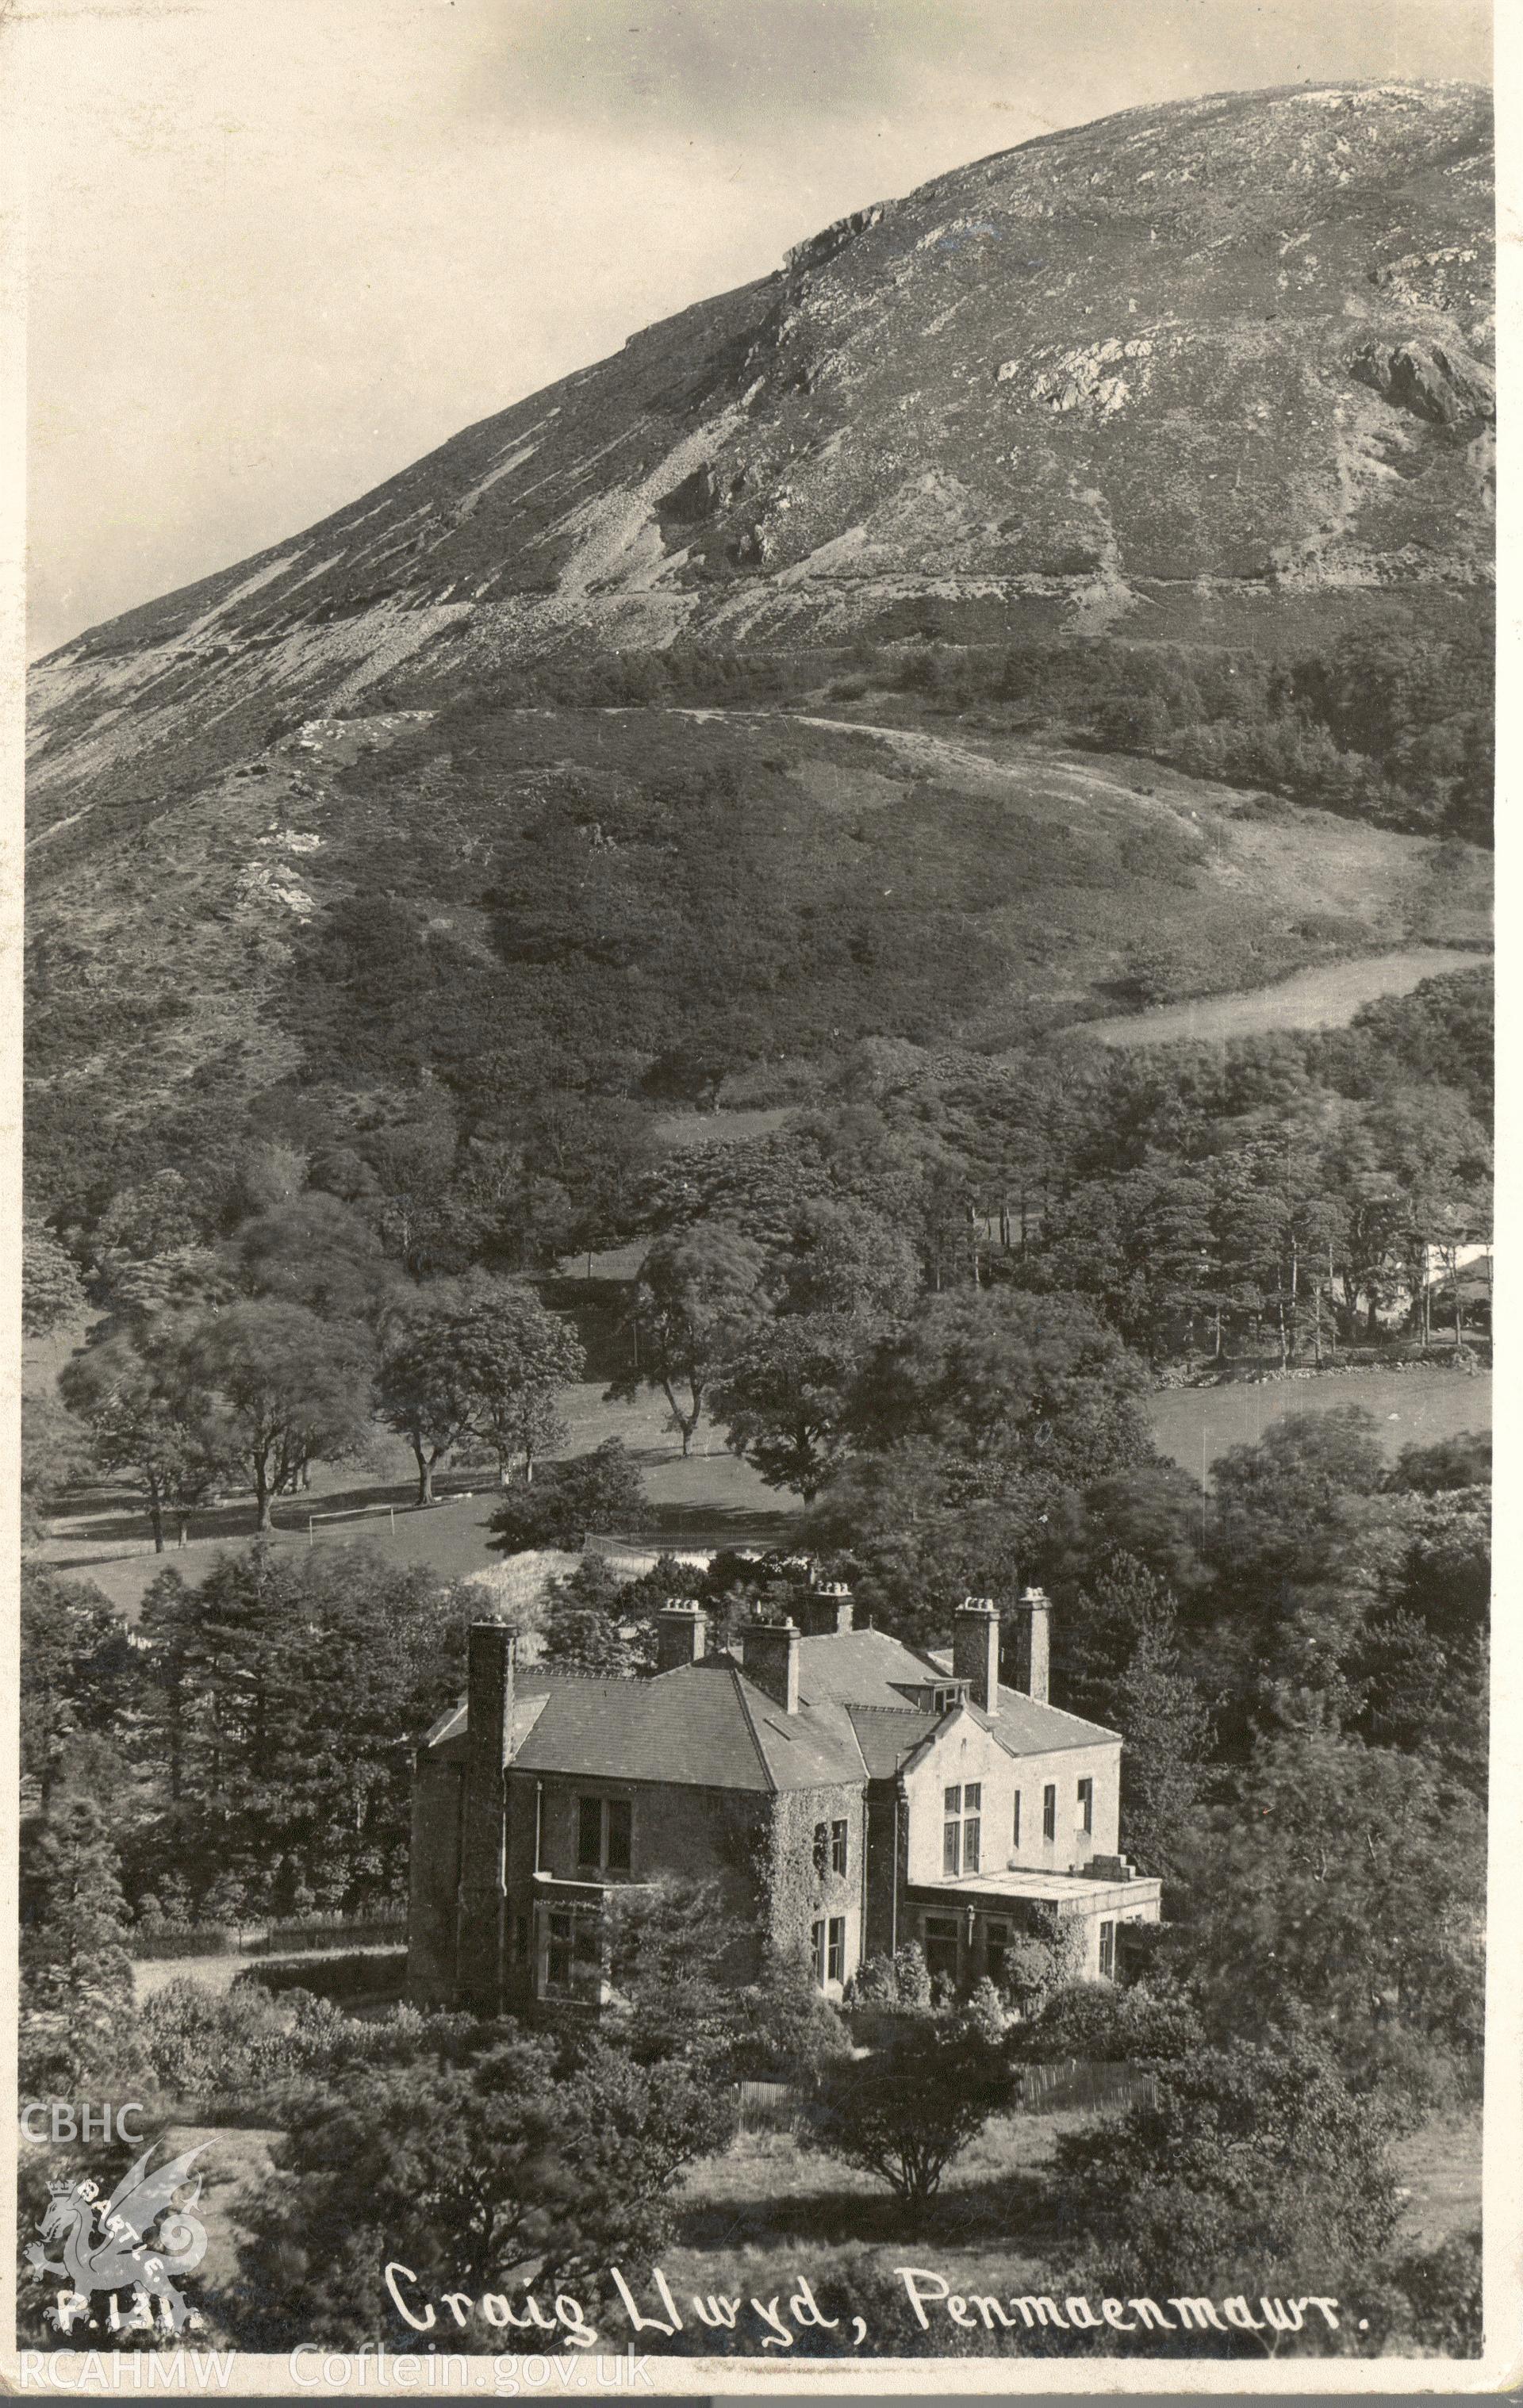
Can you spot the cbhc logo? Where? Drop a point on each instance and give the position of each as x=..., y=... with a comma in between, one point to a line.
x=76, y=2119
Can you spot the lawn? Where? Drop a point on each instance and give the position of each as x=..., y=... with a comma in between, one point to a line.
x=710, y=1499
x=1410, y=1409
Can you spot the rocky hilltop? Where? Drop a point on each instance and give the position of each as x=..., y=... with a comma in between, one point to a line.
x=1193, y=370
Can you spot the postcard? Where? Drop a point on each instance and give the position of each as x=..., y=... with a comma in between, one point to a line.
x=758, y=1257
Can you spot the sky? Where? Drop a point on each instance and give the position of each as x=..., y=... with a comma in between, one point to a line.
x=279, y=248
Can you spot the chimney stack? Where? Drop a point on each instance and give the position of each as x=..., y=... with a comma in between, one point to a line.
x=682, y=1634
x=769, y=1656
x=490, y=1666
x=1033, y=1642
x=825, y=1611
x=975, y=1650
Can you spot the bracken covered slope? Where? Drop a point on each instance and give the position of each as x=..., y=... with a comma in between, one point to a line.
x=1213, y=369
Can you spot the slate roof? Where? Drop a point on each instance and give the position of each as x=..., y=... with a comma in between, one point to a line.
x=1031, y=1726
x=862, y=1668
x=705, y=1725
x=887, y=1734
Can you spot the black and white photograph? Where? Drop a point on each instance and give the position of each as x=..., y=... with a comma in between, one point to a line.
x=757, y=1264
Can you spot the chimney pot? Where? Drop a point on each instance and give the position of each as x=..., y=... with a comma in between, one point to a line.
x=1034, y=1642
x=682, y=1634
x=827, y=1610
x=769, y=1657
x=975, y=1651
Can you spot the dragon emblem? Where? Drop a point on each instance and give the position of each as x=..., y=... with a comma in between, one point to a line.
x=106, y=2246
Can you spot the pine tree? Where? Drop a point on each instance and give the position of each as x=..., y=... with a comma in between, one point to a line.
x=76, y=1976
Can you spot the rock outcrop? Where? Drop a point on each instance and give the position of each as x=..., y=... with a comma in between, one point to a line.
x=1205, y=370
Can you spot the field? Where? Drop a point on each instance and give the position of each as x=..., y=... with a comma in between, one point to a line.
x=1325, y=998
x=1194, y=1425
x=711, y=1499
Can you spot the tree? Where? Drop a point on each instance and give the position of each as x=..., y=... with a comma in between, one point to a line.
x=1283, y=1502
x=584, y=1622
x=1252, y=2165
x=513, y=1357
x=1346, y=1884
x=76, y=1976
x=601, y=1492
x=77, y=1673
x=698, y=1292
x=1164, y=1763
x=1142, y=1244
x=471, y=2176
x=846, y=1259
x=1462, y=1461
x=152, y=1418
x=55, y=1453
x=907, y=2111
x=52, y=1292
x=312, y=1249
x=282, y=1698
x=291, y=1390
x=782, y=1396
x=421, y=1391
x=1004, y=1384
x=188, y=1281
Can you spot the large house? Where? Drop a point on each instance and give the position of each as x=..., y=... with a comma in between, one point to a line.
x=843, y=1791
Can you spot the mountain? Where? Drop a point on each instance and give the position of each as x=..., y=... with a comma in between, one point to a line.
x=1217, y=369
x=602, y=751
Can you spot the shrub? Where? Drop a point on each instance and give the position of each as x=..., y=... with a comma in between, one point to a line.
x=364, y=1974
x=1105, y=2026
x=905, y=2112
x=601, y=1491
x=182, y=1940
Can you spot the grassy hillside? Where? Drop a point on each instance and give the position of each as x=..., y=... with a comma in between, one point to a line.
x=500, y=900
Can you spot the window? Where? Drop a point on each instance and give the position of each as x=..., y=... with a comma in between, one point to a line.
x=1015, y=1833
x=942, y=1698
x=604, y=1831
x=1049, y=1810
x=939, y=1942
x=996, y=1943
x=1087, y=1805
x=837, y=1848
x=573, y=1959
x=828, y=1945
x=1107, y=1951
x=960, y=1832
x=561, y=1943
